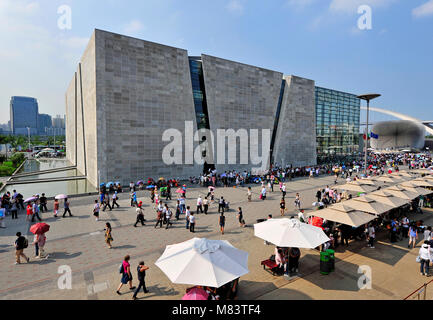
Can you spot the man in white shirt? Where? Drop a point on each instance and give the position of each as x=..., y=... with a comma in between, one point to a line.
x=187, y=215
x=192, y=222
x=199, y=204
x=140, y=216
x=283, y=190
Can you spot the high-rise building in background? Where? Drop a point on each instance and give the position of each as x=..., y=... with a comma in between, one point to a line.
x=44, y=123
x=59, y=123
x=24, y=115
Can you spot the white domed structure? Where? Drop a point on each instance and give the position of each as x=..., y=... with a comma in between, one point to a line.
x=395, y=135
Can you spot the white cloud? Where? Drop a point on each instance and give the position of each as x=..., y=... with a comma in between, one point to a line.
x=352, y=5
x=133, y=27
x=235, y=7
x=424, y=10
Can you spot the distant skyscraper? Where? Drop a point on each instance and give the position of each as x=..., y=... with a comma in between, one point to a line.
x=59, y=122
x=44, y=122
x=24, y=114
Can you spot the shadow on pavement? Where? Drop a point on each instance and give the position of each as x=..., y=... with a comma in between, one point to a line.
x=251, y=290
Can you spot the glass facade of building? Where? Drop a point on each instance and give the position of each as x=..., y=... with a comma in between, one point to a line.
x=337, y=124
x=24, y=114
x=198, y=92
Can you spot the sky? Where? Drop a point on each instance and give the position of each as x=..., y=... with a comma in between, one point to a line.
x=315, y=39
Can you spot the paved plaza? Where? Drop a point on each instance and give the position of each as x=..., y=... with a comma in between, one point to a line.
x=78, y=242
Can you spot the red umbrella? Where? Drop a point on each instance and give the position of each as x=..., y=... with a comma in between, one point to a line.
x=180, y=191
x=39, y=228
x=196, y=294
x=317, y=222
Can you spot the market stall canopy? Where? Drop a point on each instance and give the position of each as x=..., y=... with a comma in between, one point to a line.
x=387, y=179
x=422, y=182
x=367, y=204
x=290, y=233
x=401, y=192
x=352, y=217
x=388, y=198
x=420, y=191
x=203, y=262
x=356, y=188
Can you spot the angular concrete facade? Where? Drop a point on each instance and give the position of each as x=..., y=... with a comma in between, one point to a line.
x=127, y=92
x=132, y=91
x=239, y=96
x=296, y=126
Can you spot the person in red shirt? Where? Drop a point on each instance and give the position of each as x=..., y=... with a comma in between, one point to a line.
x=29, y=212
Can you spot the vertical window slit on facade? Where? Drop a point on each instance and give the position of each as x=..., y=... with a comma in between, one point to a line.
x=277, y=117
x=199, y=94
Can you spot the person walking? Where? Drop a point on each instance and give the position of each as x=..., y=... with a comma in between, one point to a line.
x=413, y=235
x=283, y=190
x=205, y=205
x=222, y=222
x=178, y=210
x=115, y=198
x=168, y=215
x=191, y=222
x=241, y=218
x=29, y=212
x=35, y=211
x=108, y=236
x=133, y=196
x=298, y=201
x=20, y=245
x=66, y=207
x=168, y=192
x=56, y=207
x=319, y=195
x=159, y=217
x=107, y=203
x=263, y=193
x=125, y=270
x=221, y=205
x=182, y=204
x=140, y=216
x=39, y=242
x=249, y=194
x=14, y=209
x=199, y=204
x=141, y=275
x=187, y=215
x=43, y=202
x=282, y=206
x=96, y=209
x=424, y=256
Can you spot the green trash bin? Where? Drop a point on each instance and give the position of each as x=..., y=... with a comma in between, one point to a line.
x=324, y=263
x=331, y=259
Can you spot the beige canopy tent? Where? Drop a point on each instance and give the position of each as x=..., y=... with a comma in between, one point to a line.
x=367, y=204
x=423, y=182
x=405, y=174
x=351, y=217
x=388, y=198
x=420, y=191
x=388, y=179
x=418, y=183
x=356, y=188
x=367, y=182
x=402, y=192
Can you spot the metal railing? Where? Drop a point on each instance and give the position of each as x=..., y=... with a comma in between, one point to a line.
x=420, y=293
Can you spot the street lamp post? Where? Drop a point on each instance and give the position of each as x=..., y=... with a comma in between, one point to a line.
x=367, y=97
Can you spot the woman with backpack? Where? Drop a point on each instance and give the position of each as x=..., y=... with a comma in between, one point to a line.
x=125, y=270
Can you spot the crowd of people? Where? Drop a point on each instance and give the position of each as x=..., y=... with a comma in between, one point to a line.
x=395, y=222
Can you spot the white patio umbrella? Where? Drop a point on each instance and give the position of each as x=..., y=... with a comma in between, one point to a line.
x=290, y=233
x=203, y=262
x=61, y=196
